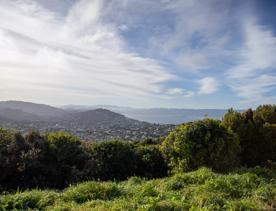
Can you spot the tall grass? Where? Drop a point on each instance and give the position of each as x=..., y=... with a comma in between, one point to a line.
x=244, y=189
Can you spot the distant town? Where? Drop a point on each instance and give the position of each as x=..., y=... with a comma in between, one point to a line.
x=136, y=131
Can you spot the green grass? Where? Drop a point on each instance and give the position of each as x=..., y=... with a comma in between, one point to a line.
x=244, y=189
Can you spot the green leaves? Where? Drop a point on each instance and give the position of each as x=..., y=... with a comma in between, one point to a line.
x=201, y=143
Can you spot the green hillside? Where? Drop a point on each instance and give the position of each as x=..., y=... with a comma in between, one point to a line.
x=246, y=189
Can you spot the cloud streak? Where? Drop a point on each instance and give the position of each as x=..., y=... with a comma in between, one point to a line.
x=253, y=77
x=77, y=53
x=136, y=53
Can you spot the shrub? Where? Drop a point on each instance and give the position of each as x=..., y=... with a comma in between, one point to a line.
x=234, y=186
x=67, y=159
x=209, y=201
x=91, y=191
x=34, y=199
x=180, y=181
x=257, y=134
x=113, y=160
x=201, y=143
x=150, y=162
x=12, y=146
x=170, y=205
x=33, y=164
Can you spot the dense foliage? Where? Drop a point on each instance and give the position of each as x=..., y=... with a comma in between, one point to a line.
x=58, y=159
x=257, y=133
x=201, y=143
x=245, y=189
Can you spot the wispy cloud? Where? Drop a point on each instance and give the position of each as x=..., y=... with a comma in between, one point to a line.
x=208, y=85
x=178, y=92
x=137, y=53
x=253, y=78
x=78, y=53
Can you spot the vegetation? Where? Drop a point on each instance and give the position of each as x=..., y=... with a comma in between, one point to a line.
x=202, y=143
x=250, y=189
x=223, y=156
x=257, y=133
x=58, y=159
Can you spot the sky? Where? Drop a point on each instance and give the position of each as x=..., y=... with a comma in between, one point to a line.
x=146, y=53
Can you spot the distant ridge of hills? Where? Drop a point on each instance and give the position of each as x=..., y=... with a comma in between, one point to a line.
x=91, y=125
x=27, y=111
x=17, y=115
x=99, y=117
x=39, y=110
x=157, y=115
x=20, y=111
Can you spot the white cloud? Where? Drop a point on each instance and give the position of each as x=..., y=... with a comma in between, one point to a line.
x=208, y=85
x=78, y=54
x=193, y=60
x=179, y=92
x=98, y=52
x=199, y=36
x=253, y=78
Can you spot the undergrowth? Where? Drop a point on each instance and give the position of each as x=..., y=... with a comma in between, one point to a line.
x=243, y=189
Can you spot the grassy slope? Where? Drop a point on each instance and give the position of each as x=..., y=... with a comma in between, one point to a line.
x=248, y=189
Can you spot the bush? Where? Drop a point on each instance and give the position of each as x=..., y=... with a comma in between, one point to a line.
x=34, y=170
x=67, y=159
x=113, y=160
x=6, y=166
x=257, y=134
x=234, y=186
x=197, y=177
x=201, y=143
x=12, y=146
x=150, y=162
x=91, y=191
x=170, y=205
x=34, y=199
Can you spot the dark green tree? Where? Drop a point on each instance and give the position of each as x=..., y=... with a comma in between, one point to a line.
x=243, y=125
x=201, y=143
x=66, y=157
x=150, y=162
x=112, y=160
x=256, y=130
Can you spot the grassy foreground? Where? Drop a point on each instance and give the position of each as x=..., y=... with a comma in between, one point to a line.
x=244, y=189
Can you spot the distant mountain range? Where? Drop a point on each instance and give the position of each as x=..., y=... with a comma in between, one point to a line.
x=157, y=115
x=30, y=111
x=88, y=124
x=19, y=111
x=26, y=111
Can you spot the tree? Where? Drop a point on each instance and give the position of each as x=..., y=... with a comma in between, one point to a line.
x=265, y=114
x=256, y=130
x=112, y=160
x=201, y=143
x=150, y=162
x=12, y=146
x=33, y=164
x=67, y=158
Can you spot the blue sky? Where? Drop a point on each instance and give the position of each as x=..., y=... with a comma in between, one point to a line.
x=146, y=53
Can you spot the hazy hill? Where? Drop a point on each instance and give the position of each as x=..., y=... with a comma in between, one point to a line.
x=96, y=113
x=41, y=110
x=157, y=115
x=9, y=114
x=98, y=117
